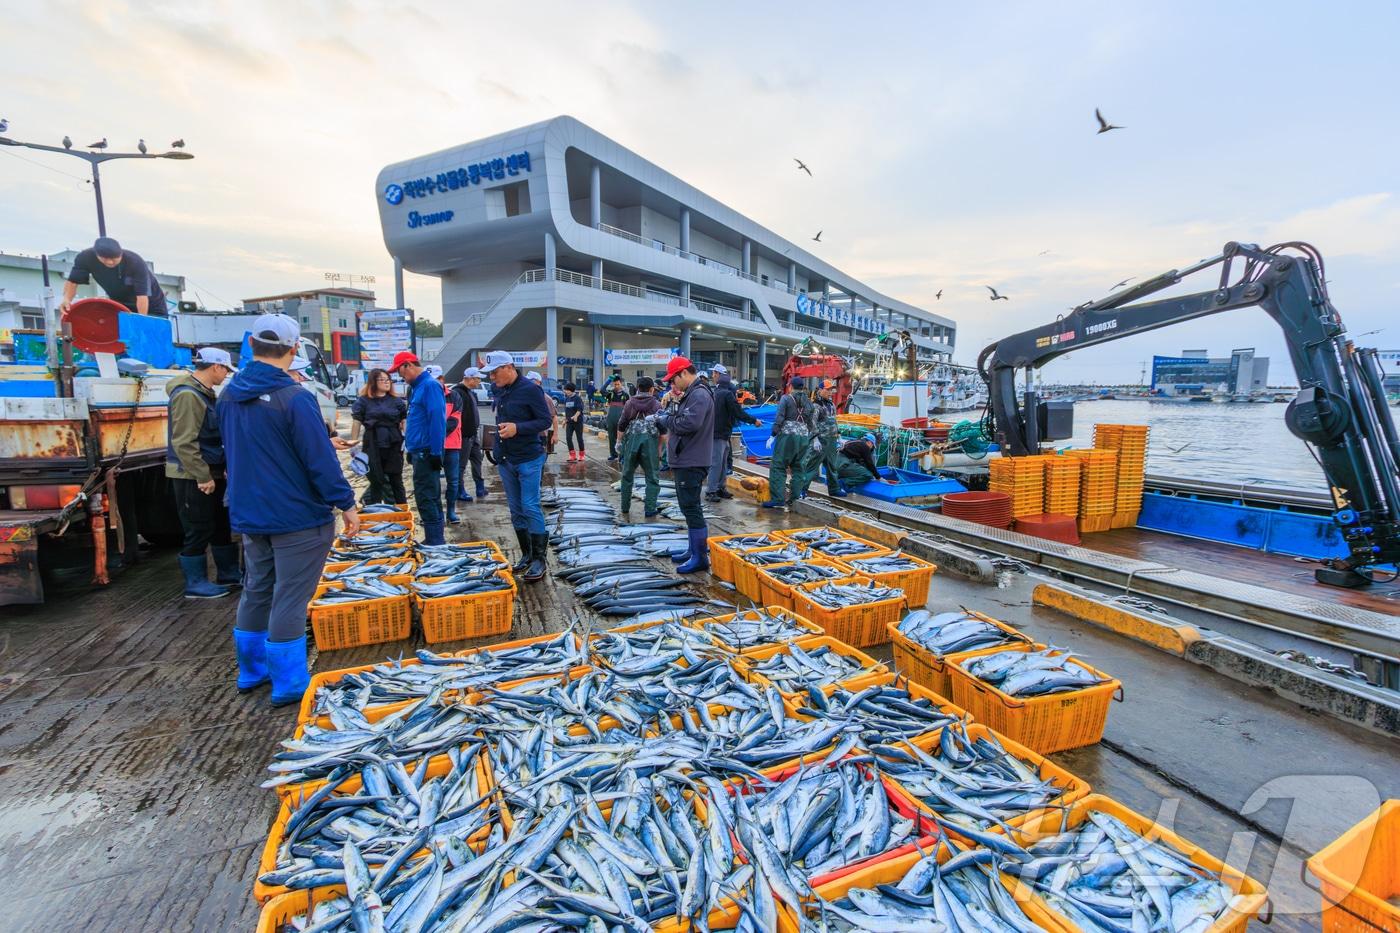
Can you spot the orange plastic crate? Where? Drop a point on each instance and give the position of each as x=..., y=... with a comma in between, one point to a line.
x=930, y=670
x=472, y=615
x=774, y=592
x=1360, y=875
x=1046, y=724
x=1252, y=895
x=746, y=573
x=875, y=672
x=813, y=630
x=915, y=583
x=722, y=553
x=861, y=626
x=367, y=622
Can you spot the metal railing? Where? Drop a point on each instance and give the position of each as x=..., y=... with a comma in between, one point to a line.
x=721, y=310
x=803, y=328
x=723, y=268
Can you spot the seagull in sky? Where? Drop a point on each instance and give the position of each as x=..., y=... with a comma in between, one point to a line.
x=67, y=142
x=939, y=295
x=1104, y=125
x=141, y=146
x=818, y=237
x=802, y=166
x=4, y=125
x=178, y=144
x=995, y=296
x=99, y=145
x=1122, y=283
x=1044, y=252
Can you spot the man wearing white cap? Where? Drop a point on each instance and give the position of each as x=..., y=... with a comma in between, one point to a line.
x=285, y=484
x=522, y=416
x=464, y=394
x=728, y=413
x=194, y=463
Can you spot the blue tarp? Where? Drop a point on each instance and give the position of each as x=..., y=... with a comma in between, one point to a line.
x=148, y=338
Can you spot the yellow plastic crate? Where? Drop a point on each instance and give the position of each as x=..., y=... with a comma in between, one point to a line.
x=861, y=626
x=471, y=615
x=367, y=622
x=1360, y=875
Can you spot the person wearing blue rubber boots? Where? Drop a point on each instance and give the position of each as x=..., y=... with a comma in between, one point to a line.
x=425, y=432
x=689, y=422
x=284, y=485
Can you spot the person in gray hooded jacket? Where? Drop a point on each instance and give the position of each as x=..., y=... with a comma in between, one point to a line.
x=689, y=422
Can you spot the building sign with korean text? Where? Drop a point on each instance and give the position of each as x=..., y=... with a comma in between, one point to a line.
x=827, y=312
x=382, y=334
x=497, y=169
x=523, y=359
x=657, y=356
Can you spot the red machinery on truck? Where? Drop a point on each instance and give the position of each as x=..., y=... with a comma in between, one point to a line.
x=810, y=362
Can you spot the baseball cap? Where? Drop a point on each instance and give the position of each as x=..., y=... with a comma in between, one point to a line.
x=402, y=357
x=471, y=372
x=434, y=370
x=720, y=368
x=798, y=382
x=534, y=377
x=106, y=247
x=495, y=360
x=677, y=365
x=214, y=355
x=870, y=439
x=276, y=328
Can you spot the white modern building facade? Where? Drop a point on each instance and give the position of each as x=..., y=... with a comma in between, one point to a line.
x=557, y=243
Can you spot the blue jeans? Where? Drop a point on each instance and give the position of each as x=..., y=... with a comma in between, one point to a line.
x=522, y=485
x=427, y=489
x=452, y=469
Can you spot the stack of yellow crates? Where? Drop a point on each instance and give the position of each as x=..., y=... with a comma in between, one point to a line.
x=1062, y=486
x=1098, y=488
x=1129, y=441
x=1023, y=479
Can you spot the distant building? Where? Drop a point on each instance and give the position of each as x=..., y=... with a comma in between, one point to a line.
x=326, y=315
x=1196, y=373
x=22, y=288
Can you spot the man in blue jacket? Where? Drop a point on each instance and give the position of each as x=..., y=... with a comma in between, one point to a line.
x=521, y=414
x=284, y=485
x=425, y=432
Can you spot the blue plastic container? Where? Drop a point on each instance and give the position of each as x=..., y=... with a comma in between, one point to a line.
x=909, y=486
x=1277, y=531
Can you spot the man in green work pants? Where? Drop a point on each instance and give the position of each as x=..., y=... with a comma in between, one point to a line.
x=825, y=440
x=639, y=435
x=792, y=430
x=615, y=398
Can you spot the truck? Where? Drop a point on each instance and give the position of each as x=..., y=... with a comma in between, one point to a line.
x=82, y=454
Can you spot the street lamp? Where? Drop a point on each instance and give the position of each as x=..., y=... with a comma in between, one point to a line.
x=95, y=159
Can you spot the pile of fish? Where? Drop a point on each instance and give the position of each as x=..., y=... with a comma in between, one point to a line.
x=783, y=555
x=1031, y=673
x=368, y=568
x=394, y=681
x=390, y=535
x=745, y=542
x=797, y=669
x=882, y=712
x=964, y=895
x=820, y=818
x=810, y=536
x=888, y=563
x=843, y=547
x=752, y=627
x=1106, y=877
x=950, y=632
x=629, y=589
x=356, y=549
x=357, y=590
x=844, y=595
x=466, y=583
x=972, y=783
x=793, y=574
x=447, y=559
x=379, y=508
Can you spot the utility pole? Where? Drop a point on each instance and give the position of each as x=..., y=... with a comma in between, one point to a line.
x=95, y=159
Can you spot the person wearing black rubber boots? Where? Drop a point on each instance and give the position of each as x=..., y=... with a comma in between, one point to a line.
x=522, y=415
x=689, y=422
x=615, y=397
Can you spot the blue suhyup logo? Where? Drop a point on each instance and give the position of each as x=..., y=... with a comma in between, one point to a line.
x=394, y=194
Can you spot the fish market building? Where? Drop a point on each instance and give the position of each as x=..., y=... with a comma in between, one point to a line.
x=564, y=247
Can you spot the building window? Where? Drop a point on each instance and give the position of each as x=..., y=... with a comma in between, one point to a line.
x=343, y=325
x=31, y=321
x=568, y=335
x=305, y=321
x=332, y=302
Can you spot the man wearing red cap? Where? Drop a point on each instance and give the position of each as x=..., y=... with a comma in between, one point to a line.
x=425, y=433
x=689, y=423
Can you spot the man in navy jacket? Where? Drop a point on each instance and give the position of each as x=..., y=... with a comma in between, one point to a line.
x=284, y=485
x=521, y=414
x=424, y=433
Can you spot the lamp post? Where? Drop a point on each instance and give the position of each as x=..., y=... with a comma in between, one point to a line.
x=95, y=159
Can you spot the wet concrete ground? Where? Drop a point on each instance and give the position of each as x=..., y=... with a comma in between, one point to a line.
x=129, y=764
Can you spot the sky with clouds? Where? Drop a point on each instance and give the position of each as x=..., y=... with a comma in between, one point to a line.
x=951, y=144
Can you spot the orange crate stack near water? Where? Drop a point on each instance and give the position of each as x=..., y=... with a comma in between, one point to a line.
x=1023, y=479
x=1062, y=478
x=1098, y=488
x=1129, y=441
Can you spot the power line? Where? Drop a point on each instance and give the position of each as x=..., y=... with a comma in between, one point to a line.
x=200, y=292
x=56, y=171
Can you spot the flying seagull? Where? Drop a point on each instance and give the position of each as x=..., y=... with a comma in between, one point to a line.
x=818, y=237
x=802, y=166
x=995, y=296
x=939, y=295
x=141, y=146
x=4, y=125
x=178, y=144
x=67, y=142
x=1122, y=283
x=1044, y=252
x=101, y=145
x=1104, y=125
